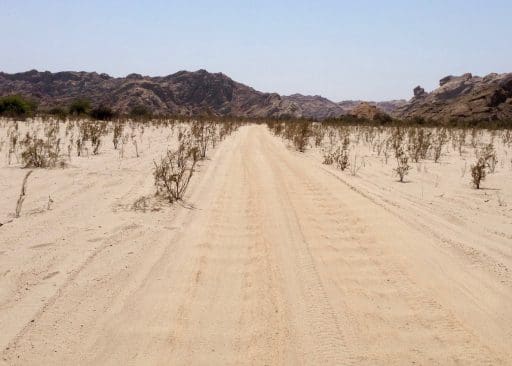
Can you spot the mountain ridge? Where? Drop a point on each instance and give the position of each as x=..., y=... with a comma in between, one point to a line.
x=184, y=92
x=464, y=98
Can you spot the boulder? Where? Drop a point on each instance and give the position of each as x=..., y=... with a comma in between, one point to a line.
x=419, y=92
x=367, y=111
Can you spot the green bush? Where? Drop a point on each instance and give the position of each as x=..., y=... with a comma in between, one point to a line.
x=80, y=107
x=102, y=113
x=58, y=112
x=140, y=112
x=16, y=106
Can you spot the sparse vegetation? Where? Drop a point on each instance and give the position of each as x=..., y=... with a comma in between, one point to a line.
x=102, y=113
x=174, y=170
x=403, y=167
x=341, y=145
x=23, y=193
x=486, y=160
x=42, y=152
x=80, y=107
x=16, y=106
x=478, y=172
x=140, y=112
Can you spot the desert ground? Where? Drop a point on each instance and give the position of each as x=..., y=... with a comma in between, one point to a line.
x=271, y=258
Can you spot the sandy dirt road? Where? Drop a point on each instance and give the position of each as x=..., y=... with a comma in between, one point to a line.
x=279, y=262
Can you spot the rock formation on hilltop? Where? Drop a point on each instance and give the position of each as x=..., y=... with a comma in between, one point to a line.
x=463, y=98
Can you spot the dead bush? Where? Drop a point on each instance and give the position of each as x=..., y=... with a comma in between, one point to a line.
x=403, y=166
x=318, y=133
x=420, y=141
x=356, y=166
x=23, y=194
x=301, y=136
x=118, y=133
x=488, y=153
x=91, y=131
x=342, y=161
x=174, y=171
x=330, y=156
x=478, y=172
x=440, y=140
x=486, y=159
x=337, y=156
x=42, y=153
x=202, y=133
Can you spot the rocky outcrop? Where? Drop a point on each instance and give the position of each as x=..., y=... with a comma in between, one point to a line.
x=419, y=92
x=388, y=106
x=315, y=107
x=368, y=111
x=464, y=98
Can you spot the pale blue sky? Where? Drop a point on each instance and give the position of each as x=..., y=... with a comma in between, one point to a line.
x=339, y=49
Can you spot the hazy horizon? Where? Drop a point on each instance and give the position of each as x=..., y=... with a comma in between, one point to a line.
x=339, y=50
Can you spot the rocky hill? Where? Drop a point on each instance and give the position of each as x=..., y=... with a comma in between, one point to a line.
x=180, y=93
x=186, y=93
x=463, y=98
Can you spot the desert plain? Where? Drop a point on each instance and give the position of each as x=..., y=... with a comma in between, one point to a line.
x=272, y=257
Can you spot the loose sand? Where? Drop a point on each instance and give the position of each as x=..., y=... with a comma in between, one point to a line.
x=275, y=259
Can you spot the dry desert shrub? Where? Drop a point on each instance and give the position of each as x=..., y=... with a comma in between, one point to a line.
x=203, y=134
x=173, y=172
x=475, y=137
x=227, y=129
x=356, y=165
x=90, y=131
x=318, y=134
x=342, y=161
x=275, y=127
x=506, y=137
x=420, y=141
x=488, y=153
x=118, y=133
x=461, y=141
x=478, y=172
x=42, y=152
x=332, y=137
x=301, y=136
x=403, y=166
x=440, y=140
x=329, y=156
x=486, y=159
x=338, y=157
x=396, y=141
x=297, y=132
x=13, y=136
x=23, y=194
